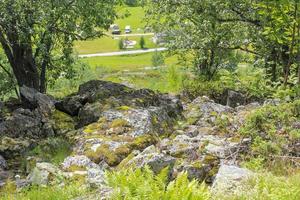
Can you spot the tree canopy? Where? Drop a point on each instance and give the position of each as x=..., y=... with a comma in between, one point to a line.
x=37, y=35
x=211, y=31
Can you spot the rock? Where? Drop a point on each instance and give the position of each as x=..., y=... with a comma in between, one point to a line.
x=10, y=147
x=79, y=161
x=235, y=99
x=91, y=112
x=152, y=158
x=95, y=177
x=229, y=178
x=273, y=102
x=35, y=99
x=44, y=173
x=195, y=170
x=71, y=104
x=22, y=123
x=204, y=112
x=3, y=163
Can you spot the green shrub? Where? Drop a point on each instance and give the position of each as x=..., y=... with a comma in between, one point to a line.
x=142, y=184
x=157, y=59
x=270, y=128
x=142, y=42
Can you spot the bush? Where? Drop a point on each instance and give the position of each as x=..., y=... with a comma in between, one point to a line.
x=142, y=184
x=121, y=44
x=142, y=42
x=157, y=59
x=271, y=130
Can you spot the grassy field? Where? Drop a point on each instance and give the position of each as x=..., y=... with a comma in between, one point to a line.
x=135, y=19
x=108, y=44
x=133, y=70
x=132, y=16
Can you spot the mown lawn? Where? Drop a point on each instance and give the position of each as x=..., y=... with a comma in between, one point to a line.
x=108, y=44
x=135, y=19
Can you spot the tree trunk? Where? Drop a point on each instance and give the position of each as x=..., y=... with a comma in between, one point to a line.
x=25, y=69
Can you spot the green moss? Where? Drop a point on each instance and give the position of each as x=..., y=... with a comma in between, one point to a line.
x=74, y=168
x=197, y=164
x=63, y=123
x=99, y=125
x=125, y=161
x=144, y=141
x=103, y=153
x=119, y=123
x=124, y=108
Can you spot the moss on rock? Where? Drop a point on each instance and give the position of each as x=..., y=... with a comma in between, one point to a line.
x=63, y=123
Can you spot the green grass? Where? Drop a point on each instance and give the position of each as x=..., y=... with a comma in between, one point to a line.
x=135, y=70
x=108, y=44
x=135, y=19
x=67, y=192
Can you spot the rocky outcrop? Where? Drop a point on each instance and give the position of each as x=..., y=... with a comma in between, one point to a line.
x=113, y=126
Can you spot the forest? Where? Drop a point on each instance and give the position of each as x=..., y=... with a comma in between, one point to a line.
x=147, y=99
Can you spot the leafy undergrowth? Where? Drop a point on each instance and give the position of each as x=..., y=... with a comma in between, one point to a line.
x=143, y=185
x=275, y=133
x=267, y=187
x=67, y=192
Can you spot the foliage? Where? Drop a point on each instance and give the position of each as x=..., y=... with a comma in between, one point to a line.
x=142, y=42
x=53, y=150
x=143, y=184
x=67, y=192
x=210, y=32
x=268, y=187
x=121, y=44
x=37, y=36
x=271, y=130
x=157, y=59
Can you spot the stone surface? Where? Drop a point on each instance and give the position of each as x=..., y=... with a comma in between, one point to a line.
x=34, y=99
x=229, y=177
x=3, y=163
x=43, y=173
x=152, y=158
x=235, y=99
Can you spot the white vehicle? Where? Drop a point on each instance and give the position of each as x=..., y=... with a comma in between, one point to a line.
x=127, y=29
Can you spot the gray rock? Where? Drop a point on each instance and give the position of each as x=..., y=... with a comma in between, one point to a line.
x=35, y=99
x=89, y=113
x=3, y=163
x=152, y=158
x=79, y=161
x=42, y=173
x=71, y=105
x=95, y=177
x=235, y=99
x=22, y=123
x=229, y=178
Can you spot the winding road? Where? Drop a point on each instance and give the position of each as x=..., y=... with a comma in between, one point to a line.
x=120, y=53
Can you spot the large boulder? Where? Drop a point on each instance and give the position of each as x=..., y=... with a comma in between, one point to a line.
x=204, y=112
x=229, y=177
x=235, y=99
x=34, y=99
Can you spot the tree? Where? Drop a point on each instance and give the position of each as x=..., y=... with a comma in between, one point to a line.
x=142, y=42
x=121, y=44
x=37, y=36
x=195, y=30
x=210, y=30
x=157, y=59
